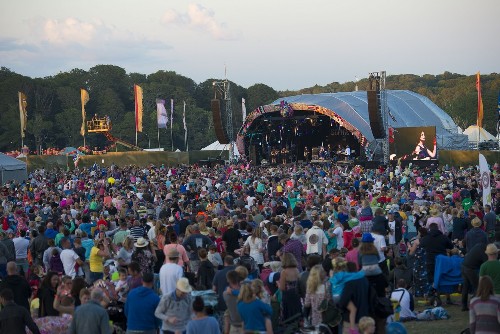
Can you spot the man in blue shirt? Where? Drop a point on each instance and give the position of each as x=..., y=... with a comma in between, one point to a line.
x=140, y=307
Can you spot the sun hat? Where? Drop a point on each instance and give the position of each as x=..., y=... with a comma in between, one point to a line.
x=491, y=249
x=183, y=285
x=367, y=237
x=141, y=242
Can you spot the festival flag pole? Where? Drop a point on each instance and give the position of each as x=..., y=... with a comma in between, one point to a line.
x=479, y=108
x=161, y=117
x=23, y=103
x=138, y=110
x=185, y=127
x=172, y=122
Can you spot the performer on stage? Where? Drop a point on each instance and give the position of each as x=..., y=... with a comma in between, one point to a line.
x=421, y=152
x=347, y=152
x=284, y=155
x=306, y=153
x=274, y=155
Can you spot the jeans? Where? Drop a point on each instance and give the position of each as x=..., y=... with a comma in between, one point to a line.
x=471, y=281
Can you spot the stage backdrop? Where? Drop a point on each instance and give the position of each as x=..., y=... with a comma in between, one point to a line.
x=406, y=142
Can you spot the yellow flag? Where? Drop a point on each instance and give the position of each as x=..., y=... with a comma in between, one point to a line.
x=85, y=98
x=138, y=108
x=480, y=111
x=23, y=114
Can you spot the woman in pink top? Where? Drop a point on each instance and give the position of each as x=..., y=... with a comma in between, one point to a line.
x=436, y=218
x=174, y=244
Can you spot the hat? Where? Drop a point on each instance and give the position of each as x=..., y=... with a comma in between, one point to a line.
x=141, y=242
x=171, y=219
x=491, y=249
x=367, y=237
x=183, y=285
x=173, y=253
x=476, y=222
x=38, y=219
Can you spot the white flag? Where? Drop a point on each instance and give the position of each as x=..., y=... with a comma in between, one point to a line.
x=171, y=113
x=161, y=114
x=243, y=109
x=185, y=127
x=485, y=179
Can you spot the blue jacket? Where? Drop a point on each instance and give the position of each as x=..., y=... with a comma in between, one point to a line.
x=140, y=309
x=341, y=278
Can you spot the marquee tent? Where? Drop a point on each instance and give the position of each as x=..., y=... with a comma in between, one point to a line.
x=12, y=169
x=475, y=134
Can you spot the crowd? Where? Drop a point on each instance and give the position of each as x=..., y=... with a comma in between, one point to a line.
x=241, y=249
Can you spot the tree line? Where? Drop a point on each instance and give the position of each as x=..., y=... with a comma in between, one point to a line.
x=54, y=107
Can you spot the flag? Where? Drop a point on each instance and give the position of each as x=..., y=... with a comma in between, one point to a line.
x=162, y=116
x=479, y=101
x=23, y=114
x=185, y=125
x=138, y=108
x=85, y=98
x=76, y=158
x=484, y=171
x=171, y=113
x=243, y=109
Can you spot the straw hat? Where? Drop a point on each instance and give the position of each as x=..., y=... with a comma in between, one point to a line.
x=141, y=242
x=491, y=249
x=183, y=285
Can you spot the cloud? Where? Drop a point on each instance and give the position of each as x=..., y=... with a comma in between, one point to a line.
x=69, y=30
x=11, y=44
x=199, y=18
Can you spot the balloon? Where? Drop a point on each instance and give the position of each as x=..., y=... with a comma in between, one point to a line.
x=111, y=180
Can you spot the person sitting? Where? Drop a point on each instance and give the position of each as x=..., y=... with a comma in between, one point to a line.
x=405, y=300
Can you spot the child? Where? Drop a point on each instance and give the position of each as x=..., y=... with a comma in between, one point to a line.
x=206, y=271
x=122, y=286
x=215, y=257
x=315, y=293
x=219, y=242
x=260, y=291
x=366, y=325
x=55, y=263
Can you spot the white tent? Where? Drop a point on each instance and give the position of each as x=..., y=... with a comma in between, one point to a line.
x=12, y=169
x=216, y=146
x=476, y=134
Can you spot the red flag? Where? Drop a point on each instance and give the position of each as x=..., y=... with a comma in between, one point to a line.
x=479, y=101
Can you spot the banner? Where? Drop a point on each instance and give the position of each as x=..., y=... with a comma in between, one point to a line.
x=138, y=108
x=484, y=171
x=23, y=114
x=171, y=113
x=243, y=109
x=84, y=95
x=162, y=116
x=479, y=101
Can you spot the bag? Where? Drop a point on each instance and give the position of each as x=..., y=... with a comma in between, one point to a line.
x=380, y=307
x=330, y=313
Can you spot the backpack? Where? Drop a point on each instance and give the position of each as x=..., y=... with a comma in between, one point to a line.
x=380, y=307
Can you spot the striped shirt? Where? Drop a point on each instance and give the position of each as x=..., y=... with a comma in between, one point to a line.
x=484, y=316
x=137, y=232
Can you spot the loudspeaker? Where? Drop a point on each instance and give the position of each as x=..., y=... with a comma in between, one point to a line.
x=374, y=112
x=220, y=130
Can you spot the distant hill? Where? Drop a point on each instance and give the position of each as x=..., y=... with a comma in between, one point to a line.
x=54, y=107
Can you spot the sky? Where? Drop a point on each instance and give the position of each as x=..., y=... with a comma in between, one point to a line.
x=284, y=44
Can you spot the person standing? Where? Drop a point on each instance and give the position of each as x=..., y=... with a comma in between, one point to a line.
x=231, y=238
x=485, y=309
x=170, y=273
x=490, y=221
x=18, y=284
x=14, y=318
x=220, y=282
x=91, y=317
x=140, y=307
x=175, y=309
x=475, y=235
x=491, y=267
x=69, y=258
x=470, y=272
x=194, y=242
x=200, y=323
x=38, y=246
x=21, y=245
x=292, y=246
x=316, y=240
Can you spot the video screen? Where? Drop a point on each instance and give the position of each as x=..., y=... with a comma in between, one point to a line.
x=413, y=143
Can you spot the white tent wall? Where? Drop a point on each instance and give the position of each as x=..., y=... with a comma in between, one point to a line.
x=12, y=169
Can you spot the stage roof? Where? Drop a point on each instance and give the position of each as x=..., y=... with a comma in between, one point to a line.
x=409, y=109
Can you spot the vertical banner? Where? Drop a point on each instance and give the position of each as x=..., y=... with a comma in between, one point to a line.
x=243, y=109
x=162, y=116
x=171, y=113
x=23, y=114
x=185, y=126
x=479, y=101
x=484, y=171
x=138, y=108
x=84, y=96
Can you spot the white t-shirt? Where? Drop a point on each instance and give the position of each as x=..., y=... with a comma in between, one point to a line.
x=380, y=244
x=170, y=273
x=316, y=238
x=404, y=303
x=392, y=234
x=340, y=236
x=68, y=259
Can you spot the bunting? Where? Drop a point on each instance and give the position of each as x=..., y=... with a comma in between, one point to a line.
x=138, y=108
x=479, y=101
x=23, y=114
x=162, y=116
x=84, y=95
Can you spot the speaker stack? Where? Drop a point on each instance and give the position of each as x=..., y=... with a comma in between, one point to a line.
x=375, y=114
x=219, y=126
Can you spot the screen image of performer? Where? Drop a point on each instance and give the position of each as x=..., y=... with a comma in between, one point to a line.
x=421, y=152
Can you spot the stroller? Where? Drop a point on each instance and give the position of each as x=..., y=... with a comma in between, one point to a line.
x=447, y=277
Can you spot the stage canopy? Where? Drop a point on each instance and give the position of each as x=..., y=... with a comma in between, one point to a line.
x=350, y=109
